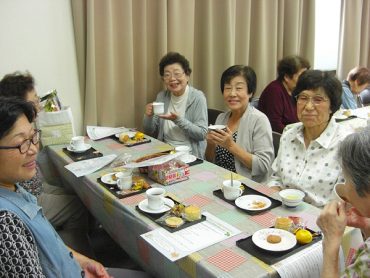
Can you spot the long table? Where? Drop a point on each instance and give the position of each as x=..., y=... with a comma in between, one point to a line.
x=125, y=224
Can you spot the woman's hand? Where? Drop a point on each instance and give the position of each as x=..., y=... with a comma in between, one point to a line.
x=332, y=222
x=149, y=110
x=94, y=269
x=221, y=138
x=171, y=116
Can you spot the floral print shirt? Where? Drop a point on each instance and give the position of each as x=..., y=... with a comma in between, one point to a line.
x=360, y=265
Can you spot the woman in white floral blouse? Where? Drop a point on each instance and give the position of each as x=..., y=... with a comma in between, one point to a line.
x=355, y=154
x=307, y=157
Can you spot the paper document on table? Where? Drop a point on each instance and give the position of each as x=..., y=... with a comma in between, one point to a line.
x=85, y=167
x=154, y=161
x=305, y=264
x=99, y=132
x=189, y=240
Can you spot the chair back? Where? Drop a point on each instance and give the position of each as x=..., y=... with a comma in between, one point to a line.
x=212, y=115
x=365, y=97
x=276, y=141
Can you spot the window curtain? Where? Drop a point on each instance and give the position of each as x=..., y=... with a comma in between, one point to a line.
x=354, y=45
x=119, y=44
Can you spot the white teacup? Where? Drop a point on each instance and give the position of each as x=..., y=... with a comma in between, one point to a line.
x=155, y=198
x=77, y=143
x=232, y=192
x=124, y=180
x=158, y=108
x=339, y=193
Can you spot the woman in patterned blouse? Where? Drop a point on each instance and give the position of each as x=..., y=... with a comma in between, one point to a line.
x=307, y=156
x=29, y=245
x=246, y=145
x=355, y=156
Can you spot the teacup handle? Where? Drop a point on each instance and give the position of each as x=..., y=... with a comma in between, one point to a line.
x=240, y=192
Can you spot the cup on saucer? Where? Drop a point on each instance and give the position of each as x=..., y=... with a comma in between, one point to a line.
x=155, y=198
x=231, y=192
x=124, y=180
x=77, y=143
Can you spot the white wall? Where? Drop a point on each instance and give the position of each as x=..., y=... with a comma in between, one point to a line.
x=37, y=35
x=327, y=25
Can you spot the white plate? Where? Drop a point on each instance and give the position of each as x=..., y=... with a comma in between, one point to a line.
x=86, y=147
x=188, y=158
x=247, y=202
x=288, y=240
x=130, y=134
x=107, y=178
x=143, y=205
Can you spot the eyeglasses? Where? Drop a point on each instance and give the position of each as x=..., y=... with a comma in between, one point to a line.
x=176, y=75
x=304, y=99
x=25, y=146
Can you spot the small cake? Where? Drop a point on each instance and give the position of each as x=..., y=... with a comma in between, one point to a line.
x=192, y=213
x=174, y=221
x=283, y=223
x=273, y=239
x=124, y=138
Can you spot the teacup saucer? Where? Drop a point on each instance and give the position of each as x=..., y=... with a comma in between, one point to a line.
x=143, y=206
x=84, y=149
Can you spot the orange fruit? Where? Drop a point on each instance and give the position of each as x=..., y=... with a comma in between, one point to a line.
x=303, y=236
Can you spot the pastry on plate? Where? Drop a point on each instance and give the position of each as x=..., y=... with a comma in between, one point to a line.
x=174, y=221
x=273, y=239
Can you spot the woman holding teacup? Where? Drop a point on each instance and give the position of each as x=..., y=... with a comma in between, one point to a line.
x=355, y=158
x=307, y=157
x=245, y=145
x=184, y=117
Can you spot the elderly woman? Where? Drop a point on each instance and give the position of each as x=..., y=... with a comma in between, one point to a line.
x=357, y=81
x=63, y=209
x=307, y=157
x=29, y=245
x=355, y=156
x=276, y=99
x=185, y=120
x=245, y=147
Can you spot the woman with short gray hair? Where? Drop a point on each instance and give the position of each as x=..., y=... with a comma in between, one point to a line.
x=355, y=156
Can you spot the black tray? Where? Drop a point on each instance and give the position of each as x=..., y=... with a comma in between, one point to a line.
x=248, y=191
x=90, y=153
x=195, y=162
x=117, y=192
x=346, y=119
x=271, y=257
x=156, y=216
x=144, y=141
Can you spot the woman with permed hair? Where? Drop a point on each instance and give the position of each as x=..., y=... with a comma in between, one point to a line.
x=276, y=99
x=185, y=120
x=245, y=147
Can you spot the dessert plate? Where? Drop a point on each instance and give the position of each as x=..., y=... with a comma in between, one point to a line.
x=130, y=134
x=288, y=240
x=143, y=205
x=108, y=179
x=253, y=202
x=84, y=149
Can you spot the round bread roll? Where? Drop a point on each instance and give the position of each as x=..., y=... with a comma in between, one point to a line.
x=273, y=239
x=174, y=221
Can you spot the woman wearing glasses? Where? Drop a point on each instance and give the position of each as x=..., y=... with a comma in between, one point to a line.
x=307, y=157
x=185, y=119
x=63, y=209
x=29, y=245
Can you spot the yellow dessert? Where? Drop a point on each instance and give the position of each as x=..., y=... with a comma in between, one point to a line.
x=139, y=136
x=192, y=213
x=124, y=138
x=174, y=221
x=283, y=223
